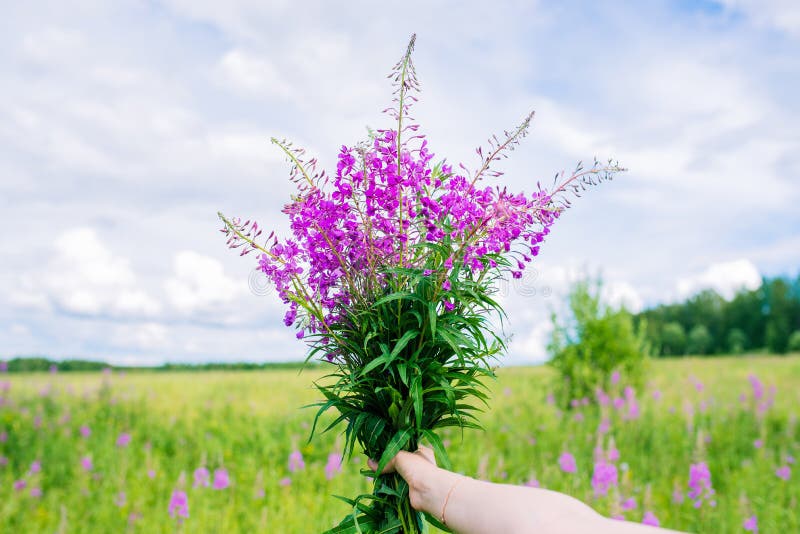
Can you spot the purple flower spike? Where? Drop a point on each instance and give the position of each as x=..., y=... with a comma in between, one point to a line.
x=179, y=504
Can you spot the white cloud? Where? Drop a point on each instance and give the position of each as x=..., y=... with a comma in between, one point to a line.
x=83, y=276
x=199, y=283
x=254, y=75
x=781, y=14
x=725, y=278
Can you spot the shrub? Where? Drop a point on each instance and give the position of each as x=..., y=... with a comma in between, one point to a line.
x=595, y=341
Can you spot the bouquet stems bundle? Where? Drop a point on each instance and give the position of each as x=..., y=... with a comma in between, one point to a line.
x=389, y=278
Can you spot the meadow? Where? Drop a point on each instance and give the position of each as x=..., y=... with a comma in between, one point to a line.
x=103, y=452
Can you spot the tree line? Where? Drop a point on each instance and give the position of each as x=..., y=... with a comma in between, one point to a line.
x=766, y=319
x=31, y=364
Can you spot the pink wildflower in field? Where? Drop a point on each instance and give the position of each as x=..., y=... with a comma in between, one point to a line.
x=613, y=452
x=3, y=461
x=567, y=463
x=758, y=443
x=36, y=467
x=551, y=399
x=221, y=480
x=3, y=366
x=53, y=369
x=37, y=421
x=120, y=499
x=751, y=524
x=333, y=466
x=296, y=462
x=615, y=376
x=619, y=403
x=202, y=477
x=657, y=395
x=700, y=484
x=123, y=440
x=532, y=483
x=602, y=398
x=650, y=519
x=604, y=426
x=789, y=459
x=36, y=492
x=285, y=481
x=151, y=473
x=3, y=436
x=628, y=504
x=86, y=463
x=783, y=472
x=603, y=478
x=677, y=496
x=86, y=431
x=179, y=504
x=633, y=404
x=758, y=387
x=618, y=517
x=19, y=485
x=578, y=416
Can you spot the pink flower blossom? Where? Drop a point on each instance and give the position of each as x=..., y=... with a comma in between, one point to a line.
x=179, y=504
x=700, y=488
x=650, y=519
x=783, y=472
x=36, y=467
x=123, y=440
x=333, y=466
x=296, y=462
x=758, y=443
x=751, y=524
x=603, y=478
x=120, y=499
x=532, y=483
x=3, y=436
x=202, y=477
x=36, y=492
x=151, y=473
x=85, y=431
x=567, y=463
x=19, y=485
x=86, y=463
x=615, y=376
x=221, y=480
x=285, y=481
x=628, y=504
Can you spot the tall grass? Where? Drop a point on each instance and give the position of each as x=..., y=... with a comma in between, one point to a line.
x=249, y=423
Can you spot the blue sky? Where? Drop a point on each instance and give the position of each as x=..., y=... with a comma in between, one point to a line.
x=125, y=126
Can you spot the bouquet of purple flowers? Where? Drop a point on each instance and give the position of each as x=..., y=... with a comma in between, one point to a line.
x=389, y=278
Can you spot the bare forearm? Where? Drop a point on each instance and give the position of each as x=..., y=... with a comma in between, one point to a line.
x=477, y=507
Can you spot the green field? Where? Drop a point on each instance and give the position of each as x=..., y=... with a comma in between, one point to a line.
x=249, y=423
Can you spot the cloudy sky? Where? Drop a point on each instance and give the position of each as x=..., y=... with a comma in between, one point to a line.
x=126, y=125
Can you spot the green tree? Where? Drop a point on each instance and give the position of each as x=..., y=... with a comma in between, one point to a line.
x=673, y=339
x=794, y=341
x=593, y=342
x=700, y=340
x=737, y=341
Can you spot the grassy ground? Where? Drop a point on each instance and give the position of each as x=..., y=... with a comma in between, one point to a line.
x=248, y=423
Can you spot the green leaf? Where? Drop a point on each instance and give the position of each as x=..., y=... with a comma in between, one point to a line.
x=402, y=342
x=432, y=314
x=438, y=448
x=396, y=444
x=416, y=395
